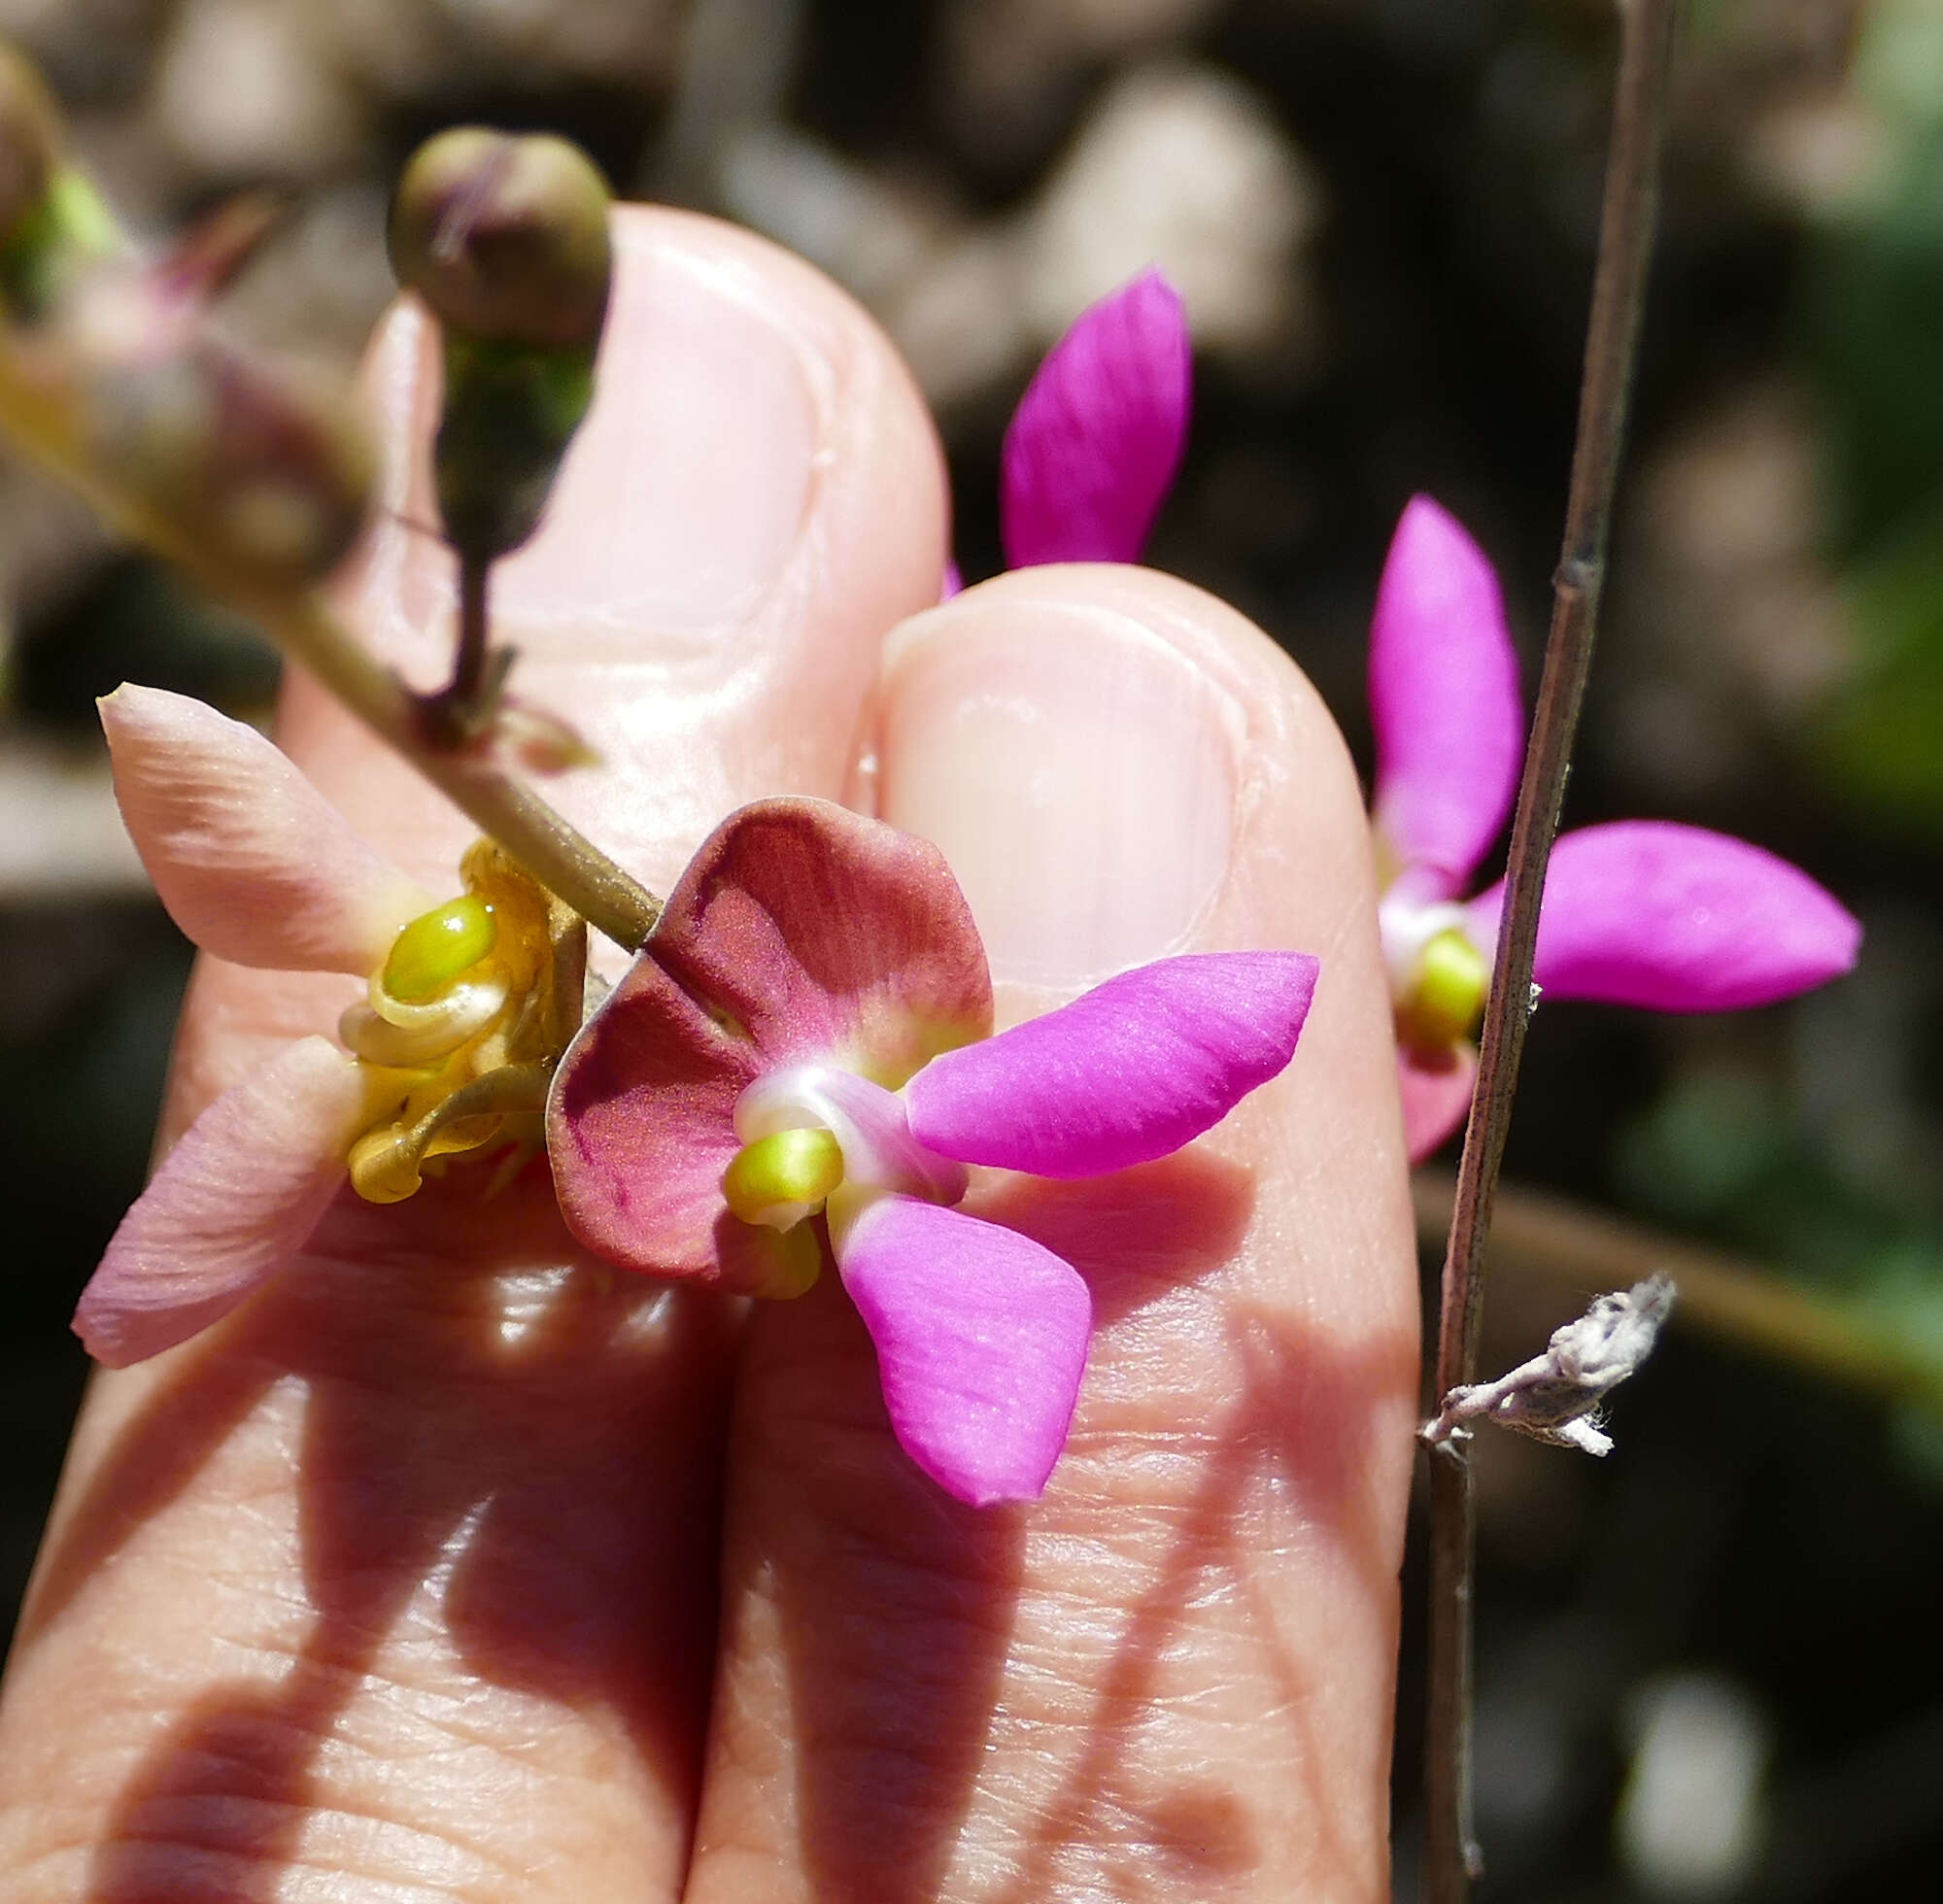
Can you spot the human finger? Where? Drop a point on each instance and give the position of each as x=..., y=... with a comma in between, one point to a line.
x=1172, y=1676
x=403, y=1578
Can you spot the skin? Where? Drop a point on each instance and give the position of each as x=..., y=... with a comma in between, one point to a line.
x=453, y=1567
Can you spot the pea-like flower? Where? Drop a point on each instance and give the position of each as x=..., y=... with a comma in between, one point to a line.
x=450, y=1052
x=799, y=1057
x=1637, y=913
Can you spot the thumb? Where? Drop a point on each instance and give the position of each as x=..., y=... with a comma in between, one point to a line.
x=1183, y=1656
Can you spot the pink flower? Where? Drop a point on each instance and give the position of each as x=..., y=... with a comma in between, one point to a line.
x=806, y=1031
x=1095, y=442
x=466, y=1007
x=1638, y=912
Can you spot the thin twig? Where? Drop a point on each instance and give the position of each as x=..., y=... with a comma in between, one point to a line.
x=302, y=625
x=1626, y=243
x=469, y=665
x=1739, y=1302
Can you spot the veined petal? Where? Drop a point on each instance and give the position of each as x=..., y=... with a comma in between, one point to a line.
x=641, y=1127
x=1138, y=1067
x=1647, y=912
x=981, y=1341
x=1097, y=439
x=1436, y=1096
x=821, y=935
x=253, y=863
x=1444, y=698
x=231, y=1204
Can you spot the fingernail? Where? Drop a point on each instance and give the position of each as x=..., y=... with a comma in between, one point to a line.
x=1078, y=771
x=685, y=491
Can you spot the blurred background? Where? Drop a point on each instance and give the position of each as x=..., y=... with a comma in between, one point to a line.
x=1710, y=1667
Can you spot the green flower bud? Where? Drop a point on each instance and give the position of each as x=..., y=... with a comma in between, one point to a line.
x=505, y=237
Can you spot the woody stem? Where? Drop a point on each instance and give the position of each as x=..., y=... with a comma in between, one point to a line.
x=1625, y=243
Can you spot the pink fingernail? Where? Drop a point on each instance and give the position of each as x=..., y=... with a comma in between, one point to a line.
x=1076, y=770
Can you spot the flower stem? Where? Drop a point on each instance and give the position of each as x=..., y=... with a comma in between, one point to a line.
x=462, y=710
x=35, y=415
x=1626, y=243
x=468, y=665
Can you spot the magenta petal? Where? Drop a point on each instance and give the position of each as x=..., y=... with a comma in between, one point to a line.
x=1436, y=1096
x=253, y=863
x=1097, y=439
x=1443, y=698
x=1674, y=918
x=231, y=1204
x=981, y=1341
x=828, y=936
x=1138, y=1067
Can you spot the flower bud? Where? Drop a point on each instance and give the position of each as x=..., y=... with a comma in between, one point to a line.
x=262, y=470
x=505, y=237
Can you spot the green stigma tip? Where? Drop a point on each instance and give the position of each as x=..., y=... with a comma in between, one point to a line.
x=1449, y=996
x=437, y=947
x=780, y=1179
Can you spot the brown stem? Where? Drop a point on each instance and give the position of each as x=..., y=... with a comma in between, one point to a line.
x=1625, y=243
x=560, y=857
x=462, y=710
x=468, y=665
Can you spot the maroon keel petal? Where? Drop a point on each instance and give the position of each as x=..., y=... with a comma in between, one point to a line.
x=827, y=936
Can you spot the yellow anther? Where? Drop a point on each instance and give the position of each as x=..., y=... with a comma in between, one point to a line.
x=437, y=947
x=1445, y=1005
x=780, y=1179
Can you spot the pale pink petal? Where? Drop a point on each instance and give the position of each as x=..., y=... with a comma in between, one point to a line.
x=1097, y=439
x=1436, y=1095
x=1646, y=912
x=1444, y=698
x=828, y=936
x=253, y=863
x=231, y=1204
x=981, y=1342
x=641, y=1126
x=1138, y=1067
